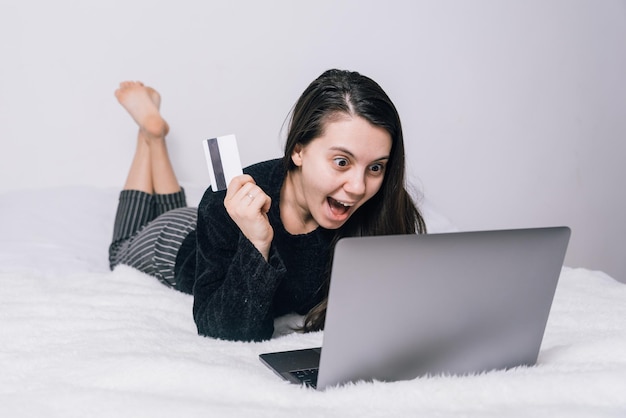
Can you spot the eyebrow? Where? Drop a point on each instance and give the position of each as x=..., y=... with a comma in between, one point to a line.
x=346, y=151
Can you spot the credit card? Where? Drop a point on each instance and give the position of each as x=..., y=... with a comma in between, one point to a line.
x=222, y=157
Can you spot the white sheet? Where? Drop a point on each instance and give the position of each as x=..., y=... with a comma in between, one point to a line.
x=78, y=340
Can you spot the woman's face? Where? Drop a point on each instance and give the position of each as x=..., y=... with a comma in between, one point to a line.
x=339, y=171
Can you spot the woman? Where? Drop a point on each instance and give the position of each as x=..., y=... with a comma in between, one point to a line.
x=263, y=248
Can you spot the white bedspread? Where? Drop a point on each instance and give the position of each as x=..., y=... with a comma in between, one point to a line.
x=78, y=340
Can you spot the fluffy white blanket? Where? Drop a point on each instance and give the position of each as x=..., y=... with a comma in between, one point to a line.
x=78, y=340
x=122, y=345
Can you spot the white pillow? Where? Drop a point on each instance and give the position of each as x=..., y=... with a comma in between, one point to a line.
x=56, y=230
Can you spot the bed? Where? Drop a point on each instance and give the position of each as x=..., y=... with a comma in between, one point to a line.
x=79, y=340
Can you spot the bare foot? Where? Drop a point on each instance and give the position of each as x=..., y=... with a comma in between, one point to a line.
x=154, y=96
x=143, y=103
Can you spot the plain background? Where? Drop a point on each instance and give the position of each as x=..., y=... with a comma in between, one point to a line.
x=514, y=112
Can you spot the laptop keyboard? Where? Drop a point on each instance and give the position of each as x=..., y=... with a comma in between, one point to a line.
x=306, y=376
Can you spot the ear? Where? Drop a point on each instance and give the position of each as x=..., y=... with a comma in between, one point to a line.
x=296, y=155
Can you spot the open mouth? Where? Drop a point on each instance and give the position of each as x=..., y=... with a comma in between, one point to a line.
x=338, y=208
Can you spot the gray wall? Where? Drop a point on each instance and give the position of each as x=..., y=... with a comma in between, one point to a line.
x=514, y=111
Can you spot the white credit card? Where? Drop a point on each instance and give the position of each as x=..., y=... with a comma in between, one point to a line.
x=222, y=157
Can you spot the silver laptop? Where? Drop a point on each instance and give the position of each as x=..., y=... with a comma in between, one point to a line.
x=403, y=306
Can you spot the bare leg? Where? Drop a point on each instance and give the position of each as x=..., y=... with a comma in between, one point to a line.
x=140, y=173
x=151, y=170
x=164, y=179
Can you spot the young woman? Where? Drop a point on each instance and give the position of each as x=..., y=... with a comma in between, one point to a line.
x=263, y=248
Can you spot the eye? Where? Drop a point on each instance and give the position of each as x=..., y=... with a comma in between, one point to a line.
x=377, y=168
x=341, y=162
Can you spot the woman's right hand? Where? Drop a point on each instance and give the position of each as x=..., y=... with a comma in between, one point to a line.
x=247, y=204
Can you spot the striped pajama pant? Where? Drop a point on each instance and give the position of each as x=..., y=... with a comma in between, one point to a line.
x=149, y=230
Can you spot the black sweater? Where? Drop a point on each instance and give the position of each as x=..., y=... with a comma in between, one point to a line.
x=237, y=294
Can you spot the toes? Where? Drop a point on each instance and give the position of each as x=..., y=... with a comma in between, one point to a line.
x=128, y=84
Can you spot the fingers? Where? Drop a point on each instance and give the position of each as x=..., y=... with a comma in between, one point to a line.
x=247, y=204
x=243, y=192
x=236, y=184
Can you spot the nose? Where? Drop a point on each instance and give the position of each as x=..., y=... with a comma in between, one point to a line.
x=355, y=183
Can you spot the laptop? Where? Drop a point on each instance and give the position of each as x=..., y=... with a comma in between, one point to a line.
x=404, y=306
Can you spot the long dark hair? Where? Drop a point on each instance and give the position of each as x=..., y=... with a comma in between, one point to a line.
x=391, y=210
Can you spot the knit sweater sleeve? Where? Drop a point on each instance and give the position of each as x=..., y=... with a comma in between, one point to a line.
x=234, y=285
